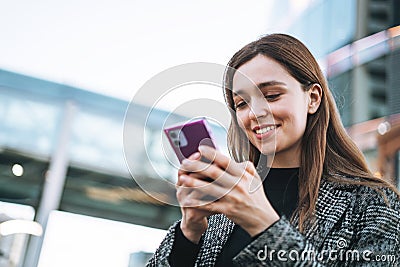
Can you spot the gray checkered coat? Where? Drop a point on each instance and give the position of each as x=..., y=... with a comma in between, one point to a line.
x=354, y=227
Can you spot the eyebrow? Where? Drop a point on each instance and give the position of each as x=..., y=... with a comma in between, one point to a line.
x=260, y=86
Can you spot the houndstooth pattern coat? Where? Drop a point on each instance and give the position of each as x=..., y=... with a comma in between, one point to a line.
x=354, y=226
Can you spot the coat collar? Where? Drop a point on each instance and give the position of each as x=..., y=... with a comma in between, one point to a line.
x=218, y=231
x=332, y=202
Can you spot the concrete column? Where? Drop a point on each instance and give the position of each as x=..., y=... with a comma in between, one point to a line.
x=361, y=95
x=362, y=19
x=53, y=185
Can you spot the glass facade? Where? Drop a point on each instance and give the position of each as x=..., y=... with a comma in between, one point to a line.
x=341, y=86
x=20, y=115
x=362, y=75
x=326, y=25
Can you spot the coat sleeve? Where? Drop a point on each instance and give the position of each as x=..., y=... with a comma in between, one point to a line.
x=375, y=241
x=277, y=246
x=160, y=256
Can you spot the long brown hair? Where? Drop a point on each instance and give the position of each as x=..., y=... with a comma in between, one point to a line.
x=326, y=148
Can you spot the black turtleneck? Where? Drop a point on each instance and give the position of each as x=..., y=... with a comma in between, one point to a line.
x=281, y=189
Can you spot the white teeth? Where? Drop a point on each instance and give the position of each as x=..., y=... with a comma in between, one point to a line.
x=266, y=129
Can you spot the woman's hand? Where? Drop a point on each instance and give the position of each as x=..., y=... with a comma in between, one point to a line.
x=236, y=190
x=194, y=221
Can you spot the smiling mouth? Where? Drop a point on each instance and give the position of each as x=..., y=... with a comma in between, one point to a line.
x=263, y=130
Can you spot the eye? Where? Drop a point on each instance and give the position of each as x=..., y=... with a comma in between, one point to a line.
x=272, y=97
x=240, y=104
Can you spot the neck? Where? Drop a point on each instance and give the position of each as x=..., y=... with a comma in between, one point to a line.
x=280, y=161
x=289, y=158
x=286, y=165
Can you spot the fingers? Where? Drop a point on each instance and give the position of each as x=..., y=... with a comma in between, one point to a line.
x=195, y=192
x=192, y=174
x=211, y=173
x=222, y=169
x=224, y=172
x=215, y=156
x=194, y=156
x=226, y=163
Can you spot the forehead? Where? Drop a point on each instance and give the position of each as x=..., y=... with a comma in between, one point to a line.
x=258, y=70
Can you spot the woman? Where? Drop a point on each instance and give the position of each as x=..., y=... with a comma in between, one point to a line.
x=319, y=204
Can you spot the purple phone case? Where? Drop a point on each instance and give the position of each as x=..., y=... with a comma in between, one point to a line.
x=192, y=135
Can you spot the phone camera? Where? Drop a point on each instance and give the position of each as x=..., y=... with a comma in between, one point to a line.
x=173, y=135
x=177, y=143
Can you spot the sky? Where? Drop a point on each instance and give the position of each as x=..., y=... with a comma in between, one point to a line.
x=114, y=47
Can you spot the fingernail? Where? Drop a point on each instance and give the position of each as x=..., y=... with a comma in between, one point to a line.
x=202, y=148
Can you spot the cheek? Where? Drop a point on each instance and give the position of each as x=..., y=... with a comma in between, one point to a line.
x=294, y=119
x=242, y=119
x=299, y=122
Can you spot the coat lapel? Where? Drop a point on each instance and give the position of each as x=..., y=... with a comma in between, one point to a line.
x=218, y=232
x=331, y=204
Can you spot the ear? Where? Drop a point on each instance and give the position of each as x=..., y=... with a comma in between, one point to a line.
x=314, y=98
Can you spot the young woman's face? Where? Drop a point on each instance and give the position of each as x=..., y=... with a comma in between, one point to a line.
x=274, y=115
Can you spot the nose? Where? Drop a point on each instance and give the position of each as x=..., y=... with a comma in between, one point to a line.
x=259, y=108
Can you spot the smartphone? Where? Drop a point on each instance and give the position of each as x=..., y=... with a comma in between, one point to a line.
x=185, y=138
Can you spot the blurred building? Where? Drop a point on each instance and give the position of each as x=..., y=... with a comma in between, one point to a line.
x=357, y=43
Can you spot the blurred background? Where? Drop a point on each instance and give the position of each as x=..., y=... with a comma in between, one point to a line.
x=69, y=69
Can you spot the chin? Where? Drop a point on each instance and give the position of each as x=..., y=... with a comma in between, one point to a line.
x=267, y=152
x=267, y=148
